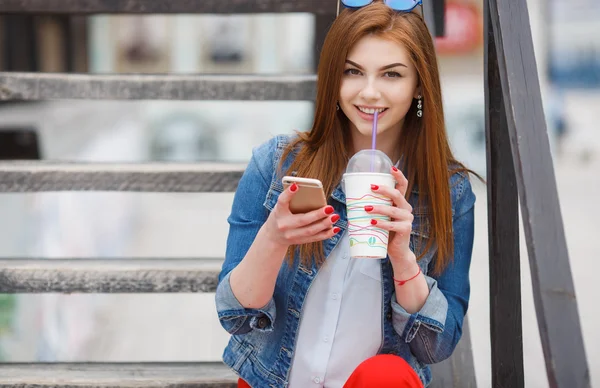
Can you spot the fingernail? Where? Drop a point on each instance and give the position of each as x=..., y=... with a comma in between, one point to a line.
x=336, y=230
x=373, y=222
x=374, y=187
x=293, y=187
x=328, y=209
x=335, y=217
x=394, y=168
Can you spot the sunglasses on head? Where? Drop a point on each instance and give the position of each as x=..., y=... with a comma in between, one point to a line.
x=396, y=5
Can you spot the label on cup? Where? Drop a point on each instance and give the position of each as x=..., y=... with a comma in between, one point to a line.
x=366, y=240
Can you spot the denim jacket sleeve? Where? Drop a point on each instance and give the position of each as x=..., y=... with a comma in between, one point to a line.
x=435, y=330
x=247, y=217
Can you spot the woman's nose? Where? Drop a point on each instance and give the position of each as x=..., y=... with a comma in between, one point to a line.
x=370, y=91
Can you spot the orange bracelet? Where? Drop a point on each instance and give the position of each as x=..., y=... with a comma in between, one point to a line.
x=403, y=282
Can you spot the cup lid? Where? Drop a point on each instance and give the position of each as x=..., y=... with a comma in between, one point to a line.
x=369, y=160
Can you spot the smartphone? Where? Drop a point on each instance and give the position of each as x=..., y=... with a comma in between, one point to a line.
x=310, y=195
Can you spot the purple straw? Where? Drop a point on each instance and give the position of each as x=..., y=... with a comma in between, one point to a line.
x=374, y=138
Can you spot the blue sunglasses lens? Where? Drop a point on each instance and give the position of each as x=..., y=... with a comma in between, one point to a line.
x=402, y=5
x=356, y=3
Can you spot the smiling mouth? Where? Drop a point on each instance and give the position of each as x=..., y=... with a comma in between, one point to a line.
x=370, y=111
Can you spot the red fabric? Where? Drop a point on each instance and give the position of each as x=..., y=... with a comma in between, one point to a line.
x=243, y=384
x=383, y=371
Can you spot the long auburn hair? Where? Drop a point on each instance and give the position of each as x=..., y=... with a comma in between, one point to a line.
x=427, y=158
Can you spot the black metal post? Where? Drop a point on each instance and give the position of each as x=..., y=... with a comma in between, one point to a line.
x=506, y=328
x=553, y=289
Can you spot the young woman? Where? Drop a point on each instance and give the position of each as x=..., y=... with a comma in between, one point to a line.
x=300, y=311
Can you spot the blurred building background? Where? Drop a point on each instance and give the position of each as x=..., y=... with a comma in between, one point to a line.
x=86, y=225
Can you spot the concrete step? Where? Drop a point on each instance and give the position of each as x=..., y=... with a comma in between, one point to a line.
x=109, y=275
x=117, y=375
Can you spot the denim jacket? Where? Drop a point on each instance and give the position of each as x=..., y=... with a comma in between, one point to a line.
x=261, y=348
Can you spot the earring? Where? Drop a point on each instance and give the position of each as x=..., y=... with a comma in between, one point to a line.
x=419, y=106
x=337, y=106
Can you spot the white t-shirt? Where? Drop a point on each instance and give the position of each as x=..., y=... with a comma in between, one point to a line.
x=341, y=324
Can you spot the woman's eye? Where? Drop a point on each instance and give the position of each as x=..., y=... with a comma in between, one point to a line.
x=352, y=72
x=392, y=74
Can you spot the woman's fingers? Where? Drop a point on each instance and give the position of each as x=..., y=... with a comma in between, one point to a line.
x=395, y=213
x=402, y=182
x=289, y=220
x=302, y=228
x=283, y=202
x=313, y=216
x=402, y=228
x=395, y=195
x=312, y=232
x=324, y=235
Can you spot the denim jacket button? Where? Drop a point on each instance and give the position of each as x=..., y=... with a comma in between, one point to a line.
x=388, y=316
x=262, y=323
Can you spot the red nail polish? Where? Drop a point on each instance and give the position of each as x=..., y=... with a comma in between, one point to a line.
x=335, y=218
x=394, y=168
x=373, y=222
x=328, y=209
x=293, y=187
x=374, y=187
x=368, y=208
x=336, y=230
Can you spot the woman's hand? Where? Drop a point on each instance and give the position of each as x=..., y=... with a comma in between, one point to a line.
x=401, y=219
x=285, y=228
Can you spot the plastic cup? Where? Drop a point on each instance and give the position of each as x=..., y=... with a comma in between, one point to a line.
x=367, y=241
